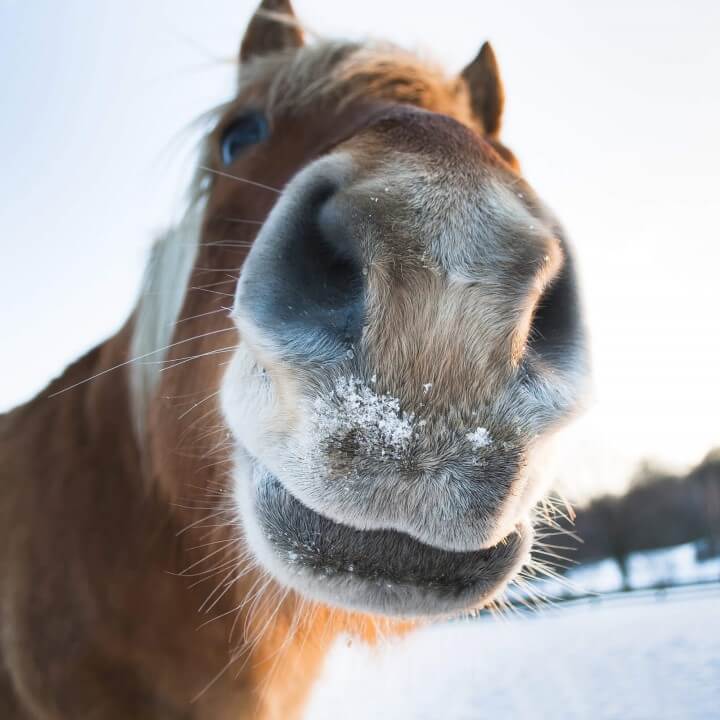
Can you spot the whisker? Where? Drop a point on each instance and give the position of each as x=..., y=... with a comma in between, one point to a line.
x=218, y=351
x=135, y=359
x=201, y=560
x=234, y=657
x=205, y=314
x=201, y=520
x=215, y=284
x=197, y=404
x=241, y=220
x=213, y=292
x=243, y=244
x=240, y=179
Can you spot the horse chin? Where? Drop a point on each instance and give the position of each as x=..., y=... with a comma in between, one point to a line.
x=383, y=572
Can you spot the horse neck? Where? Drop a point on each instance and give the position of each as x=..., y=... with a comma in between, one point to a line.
x=79, y=423
x=74, y=481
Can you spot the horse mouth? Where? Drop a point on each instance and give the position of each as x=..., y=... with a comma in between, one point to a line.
x=381, y=571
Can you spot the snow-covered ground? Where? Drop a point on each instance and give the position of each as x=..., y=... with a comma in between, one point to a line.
x=644, y=656
x=668, y=566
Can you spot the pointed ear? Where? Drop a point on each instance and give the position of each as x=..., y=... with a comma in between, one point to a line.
x=487, y=96
x=272, y=28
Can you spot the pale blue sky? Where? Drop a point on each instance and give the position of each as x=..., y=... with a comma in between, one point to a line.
x=613, y=109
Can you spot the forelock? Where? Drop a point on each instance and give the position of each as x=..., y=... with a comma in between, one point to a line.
x=343, y=72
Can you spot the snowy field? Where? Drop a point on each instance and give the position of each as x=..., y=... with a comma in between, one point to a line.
x=656, y=568
x=643, y=656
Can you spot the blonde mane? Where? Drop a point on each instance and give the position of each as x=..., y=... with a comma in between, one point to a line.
x=163, y=289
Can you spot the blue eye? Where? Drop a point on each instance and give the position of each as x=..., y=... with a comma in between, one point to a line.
x=247, y=130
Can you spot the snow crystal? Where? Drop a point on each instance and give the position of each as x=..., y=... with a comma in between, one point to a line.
x=377, y=419
x=480, y=437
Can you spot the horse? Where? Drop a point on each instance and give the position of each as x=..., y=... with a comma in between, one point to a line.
x=324, y=415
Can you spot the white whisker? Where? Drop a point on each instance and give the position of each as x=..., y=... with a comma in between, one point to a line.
x=254, y=183
x=135, y=359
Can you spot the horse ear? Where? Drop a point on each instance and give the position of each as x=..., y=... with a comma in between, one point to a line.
x=272, y=28
x=487, y=96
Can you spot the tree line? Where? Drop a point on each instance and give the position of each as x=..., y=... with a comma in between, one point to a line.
x=659, y=510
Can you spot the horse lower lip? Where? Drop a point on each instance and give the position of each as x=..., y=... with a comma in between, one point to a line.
x=381, y=571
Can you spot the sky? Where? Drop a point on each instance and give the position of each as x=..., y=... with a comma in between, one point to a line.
x=612, y=108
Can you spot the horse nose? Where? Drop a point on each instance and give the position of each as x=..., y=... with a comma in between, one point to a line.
x=303, y=282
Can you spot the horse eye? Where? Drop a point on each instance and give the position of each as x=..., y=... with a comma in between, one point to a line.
x=246, y=130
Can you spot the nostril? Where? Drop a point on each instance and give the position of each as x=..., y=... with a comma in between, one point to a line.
x=334, y=236
x=555, y=324
x=303, y=283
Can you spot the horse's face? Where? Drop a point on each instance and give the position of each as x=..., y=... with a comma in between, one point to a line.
x=407, y=324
